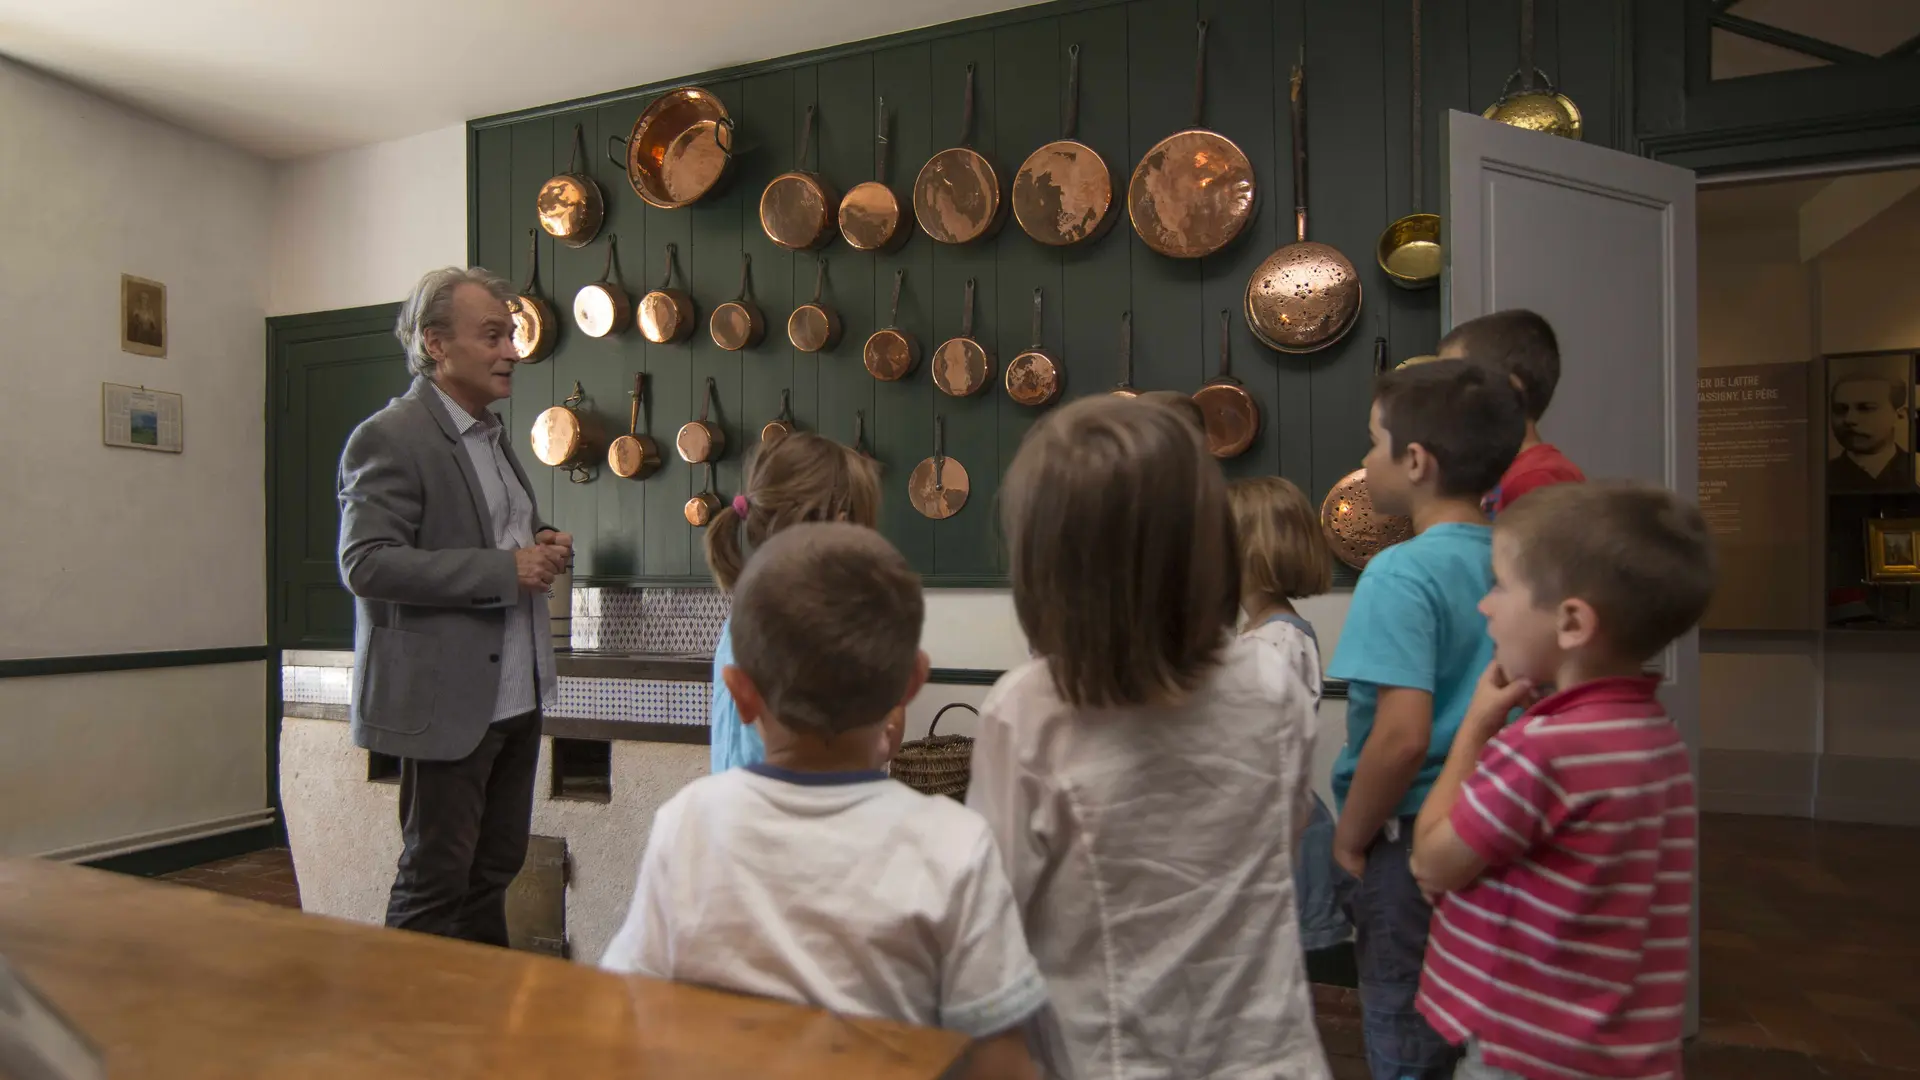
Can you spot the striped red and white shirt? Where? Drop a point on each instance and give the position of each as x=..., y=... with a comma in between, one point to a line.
x=1568, y=956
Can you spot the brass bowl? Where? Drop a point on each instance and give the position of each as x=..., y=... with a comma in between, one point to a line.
x=1539, y=110
x=681, y=148
x=1409, y=251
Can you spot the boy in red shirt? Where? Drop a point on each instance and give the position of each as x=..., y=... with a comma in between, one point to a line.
x=1564, y=842
x=1522, y=344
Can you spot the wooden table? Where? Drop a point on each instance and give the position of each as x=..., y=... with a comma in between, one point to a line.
x=175, y=982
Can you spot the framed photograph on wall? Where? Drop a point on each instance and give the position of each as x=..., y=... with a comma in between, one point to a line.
x=1870, y=446
x=1892, y=555
x=143, y=316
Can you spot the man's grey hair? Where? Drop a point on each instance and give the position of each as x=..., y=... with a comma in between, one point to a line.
x=430, y=307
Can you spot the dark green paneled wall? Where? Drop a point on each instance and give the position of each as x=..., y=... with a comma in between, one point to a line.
x=1136, y=88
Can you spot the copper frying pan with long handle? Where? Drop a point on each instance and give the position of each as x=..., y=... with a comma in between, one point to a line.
x=870, y=211
x=1231, y=415
x=634, y=456
x=533, y=326
x=1063, y=193
x=891, y=353
x=957, y=197
x=1194, y=191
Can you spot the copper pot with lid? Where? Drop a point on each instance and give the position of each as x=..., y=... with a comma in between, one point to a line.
x=533, y=329
x=1036, y=377
x=666, y=313
x=813, y=326
x=797, y=207
x=957, y=197
x=571, y=206
x=680, y=150
x=962, y=367
x=1354, y=528
x=703, y=439
x=1231, y=416
x=870, y=211
x=738, y=324
x=1194, y=191
x=1063, y=193
x=891, y=353
x=564, y=437
x=1305, y=296
x=603, y=308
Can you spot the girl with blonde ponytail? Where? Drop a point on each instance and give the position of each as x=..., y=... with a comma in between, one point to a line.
x=803, y=477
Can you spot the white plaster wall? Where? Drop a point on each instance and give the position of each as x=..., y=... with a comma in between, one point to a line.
x=360, y=226
x=345, y=831
x=87, y=759
x=116, y=550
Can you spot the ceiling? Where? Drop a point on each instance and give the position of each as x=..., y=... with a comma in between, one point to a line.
x=1887, y=222
x=285, y=79
x=1869, y=28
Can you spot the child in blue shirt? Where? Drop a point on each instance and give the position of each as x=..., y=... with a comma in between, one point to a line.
x=1412, y=649
x=800, y=478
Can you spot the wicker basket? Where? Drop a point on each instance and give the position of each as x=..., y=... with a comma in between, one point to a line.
x=937, y=764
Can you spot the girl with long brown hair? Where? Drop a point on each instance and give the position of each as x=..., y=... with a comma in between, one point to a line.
x=803, y=477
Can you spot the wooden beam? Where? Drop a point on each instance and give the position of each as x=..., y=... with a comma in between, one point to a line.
x=1787, y=39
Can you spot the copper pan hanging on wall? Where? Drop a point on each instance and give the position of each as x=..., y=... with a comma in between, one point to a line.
x=738, y=324
x=939, y=485
x=665, y=314
x=564, y=436
x=1354, y=528
x=1305, y=296
x=957, y=197
x=680, y=150
x=891, y=353
x=571, y=205
x=870, y=211
x=797, y=208
x=1036, y=376
x=1231, y=416
x=813, y=326
x=962, y=367
x=1063, y=193
x=603, y=307
x=634, y=456
x=1194, y=192
x=1409, y=248
x=533, y=328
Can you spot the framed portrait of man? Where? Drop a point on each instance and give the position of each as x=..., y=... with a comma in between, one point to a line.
x=143, y=316
x=1870, y=423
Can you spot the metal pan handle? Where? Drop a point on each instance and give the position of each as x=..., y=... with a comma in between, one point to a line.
x=1200, y=76
x=786, y=406
x=1526, y=45
x=1297, y=109
x=579, y=148
x=860, y=431
x=1379, y=357
x=746, y=276
x=1039, y=323
x=708, y=400
x=819, y=280
x=966, y=111
x=1226, y=348
x=666, y=274
x=1073, y=90
x=880, y=147
x=709, y=489
x=806, y=142
x=533, y=261
x=944, y=710
x=939, y=453
x=633, y=415
x=966, y=315
x=606, y=272
x=1126, y=350
x=1418, y=157
x=617, y=162
x=577, y=398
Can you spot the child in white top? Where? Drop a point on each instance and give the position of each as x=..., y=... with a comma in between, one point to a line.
x=1141, y=792
x=811, y=876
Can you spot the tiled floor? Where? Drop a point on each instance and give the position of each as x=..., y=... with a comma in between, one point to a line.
x=1809, y=946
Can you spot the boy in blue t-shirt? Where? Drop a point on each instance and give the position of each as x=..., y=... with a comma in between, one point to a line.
x=1412, y=649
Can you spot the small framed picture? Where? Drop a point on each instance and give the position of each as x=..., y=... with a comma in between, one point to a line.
x=143, y=316
x=1891, y=554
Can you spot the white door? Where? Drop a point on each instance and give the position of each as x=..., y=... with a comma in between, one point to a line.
x=1602, y=244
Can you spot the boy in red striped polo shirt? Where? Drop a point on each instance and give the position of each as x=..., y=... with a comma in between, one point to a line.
x=1564, y=842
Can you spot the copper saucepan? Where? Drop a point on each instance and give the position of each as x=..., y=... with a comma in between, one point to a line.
x=1126, y=388
x=634, y=456
x=797, y=208
x=891, y=353
x=738, y=324
x=702, y=440
x=962, y=367
x=1194, y=191
x=1534, y=106
x=1063, y=193
x=666, y=313
x=1353, y=527
x=957, y=197
x=571, y=205
x=533, y=328
x=603, y=308
x=814, y=326
x=700, y=509
x=1036, y=376
x=1232, y=416
x=870, y=211
x=939, y=485
x=564, y=437
x=1409, y=249
x=780, y=426
x=1305, y=296
x=681, y=148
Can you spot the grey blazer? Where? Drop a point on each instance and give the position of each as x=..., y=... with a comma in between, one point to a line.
x=430, y=589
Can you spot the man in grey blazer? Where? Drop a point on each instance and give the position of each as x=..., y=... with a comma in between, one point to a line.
x=449, y=564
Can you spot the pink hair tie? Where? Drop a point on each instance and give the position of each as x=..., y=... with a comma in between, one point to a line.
x=740, y=506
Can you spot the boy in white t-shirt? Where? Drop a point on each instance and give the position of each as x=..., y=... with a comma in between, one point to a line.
x=813, y=877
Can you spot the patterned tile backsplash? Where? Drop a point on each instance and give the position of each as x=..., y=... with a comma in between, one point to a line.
x=649, y=700
x=673, y=622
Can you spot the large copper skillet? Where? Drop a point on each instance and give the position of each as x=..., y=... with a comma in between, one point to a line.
x=1305, y=296
x=681, y=149
x=957, y=197
x=1063, y=193
x=1354, y=528
x=1193, y=192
